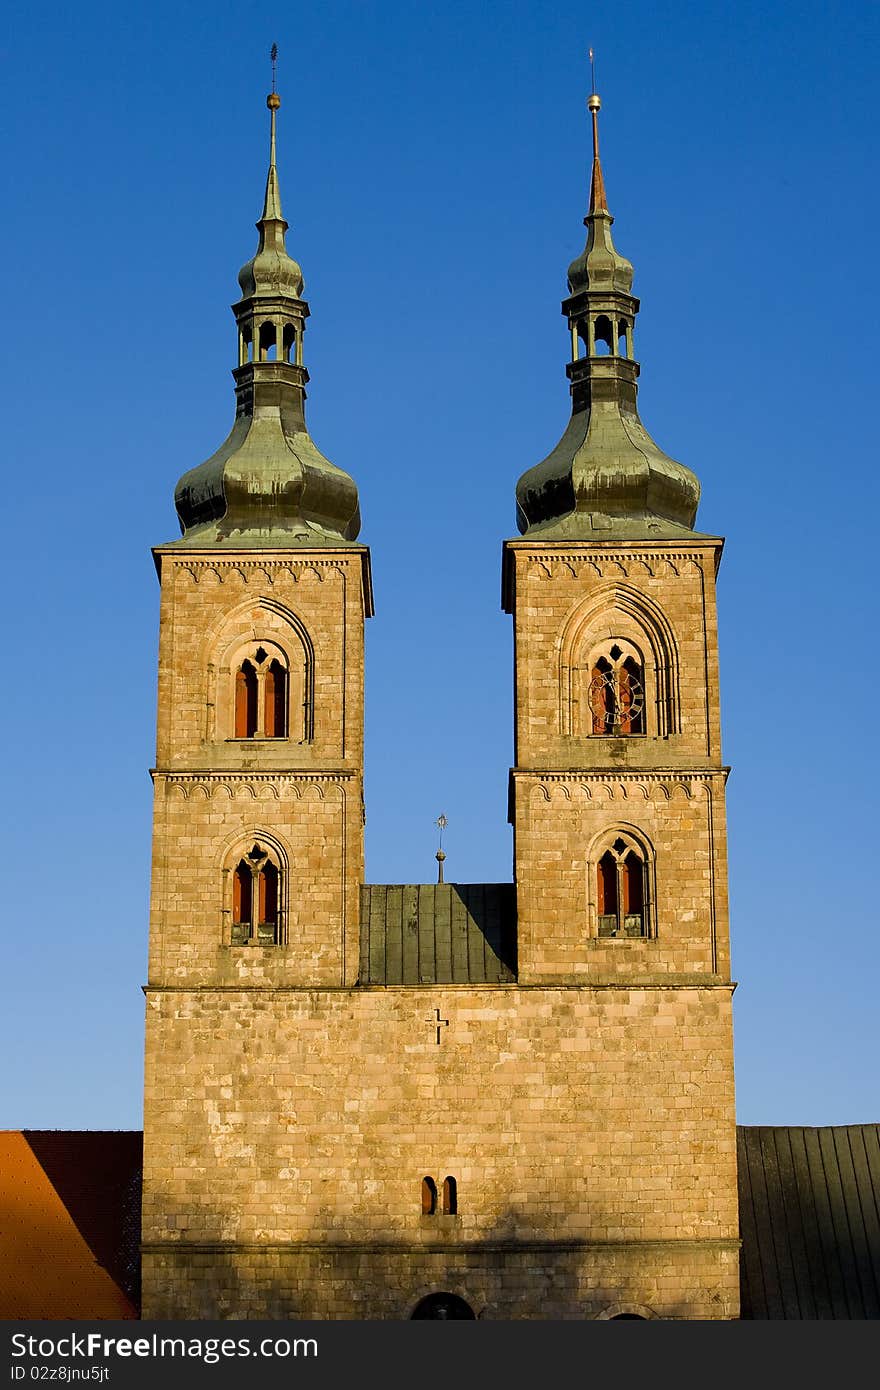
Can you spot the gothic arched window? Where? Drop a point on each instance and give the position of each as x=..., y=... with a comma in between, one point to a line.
x=275, y=721
x=256, y=900
x=616, y=692
x=245, y=701
x=261, y=696
x=450, y=1197
x=429, y=1197
x=622, y=889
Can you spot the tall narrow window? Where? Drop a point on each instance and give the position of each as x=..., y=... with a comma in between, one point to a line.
x=450, y=1197
x=633, y=895
x=622, y=891
x=242, y=903
x=245, y=701
x=429, y=1197
x=602, y=696
x=606, y=888
x=276, y=701
x=267, y=895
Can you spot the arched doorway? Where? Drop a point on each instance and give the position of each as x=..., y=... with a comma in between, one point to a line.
x=446, y=1307
x=627, y=1312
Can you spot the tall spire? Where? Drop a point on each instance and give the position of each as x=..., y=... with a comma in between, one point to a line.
x=268, y=484
x=606, y=477
x=271, y=270
x=597, y=183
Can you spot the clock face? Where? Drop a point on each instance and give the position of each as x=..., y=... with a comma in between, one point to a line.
x=615, y=698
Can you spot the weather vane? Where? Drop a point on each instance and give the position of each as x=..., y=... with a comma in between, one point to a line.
x=441, y=823
x=274, y=56
x=593, y=71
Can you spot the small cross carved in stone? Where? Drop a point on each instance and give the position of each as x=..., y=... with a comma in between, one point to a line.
x=437, y=1023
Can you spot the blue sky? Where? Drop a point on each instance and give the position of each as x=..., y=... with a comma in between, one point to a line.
x=433, y=162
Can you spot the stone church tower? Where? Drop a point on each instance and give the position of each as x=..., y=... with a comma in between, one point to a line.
x=439, y=1100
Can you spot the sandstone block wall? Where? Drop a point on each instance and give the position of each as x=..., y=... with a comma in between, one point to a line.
x=600, y=1120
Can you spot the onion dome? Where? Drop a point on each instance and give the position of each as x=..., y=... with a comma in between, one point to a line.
x=606, y=478
x=268, y=485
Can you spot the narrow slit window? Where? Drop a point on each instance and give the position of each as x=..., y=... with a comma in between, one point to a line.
x=602, y=696
x=267, y=919
x=245, y=701
x=633, y=895
x=607, y=894
x=242, y=903
x=631, y=708
x=276, y=701
x=450, y=1197
x=429, y=1197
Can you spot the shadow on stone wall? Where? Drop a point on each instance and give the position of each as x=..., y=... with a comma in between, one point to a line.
x=517, y=1269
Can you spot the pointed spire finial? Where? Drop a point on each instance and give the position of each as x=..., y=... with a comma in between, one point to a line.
x=441, y=823
x=598, y=201
x=272, y=204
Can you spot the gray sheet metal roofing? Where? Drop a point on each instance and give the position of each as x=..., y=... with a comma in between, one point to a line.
x=438, y=933
x=809, y=1202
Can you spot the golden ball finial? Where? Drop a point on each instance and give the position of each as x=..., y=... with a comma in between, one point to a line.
x=593, y=102
x=273, y=101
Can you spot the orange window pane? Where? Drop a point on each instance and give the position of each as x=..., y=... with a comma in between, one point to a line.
x=607, y=885
x=276, y=700
x=625, y=699
x=601, y=699
x=242, y=890
x=245, y=701
x=633, y=885
x=268, y=890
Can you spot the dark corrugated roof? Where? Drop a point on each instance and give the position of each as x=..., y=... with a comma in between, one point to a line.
x=438, y=933
x=809, y=1202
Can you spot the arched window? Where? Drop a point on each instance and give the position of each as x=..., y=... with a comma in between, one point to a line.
x=616, y=693
x=242, y=895
x=245, y=701
x=276, y=701
x=262, y=688
x=622, y=890
x=256, y=900
x=268, y=342
x=429, y=1197
x=603, y=335
x=450, y=1197
x=607, y=891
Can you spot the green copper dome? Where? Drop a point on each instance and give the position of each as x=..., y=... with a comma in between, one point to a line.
x=268, y=485
x=606, y=477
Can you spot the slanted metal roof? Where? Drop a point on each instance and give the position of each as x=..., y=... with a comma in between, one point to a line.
x=438, y=933
x=70, y=1223
x=809, y=1203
